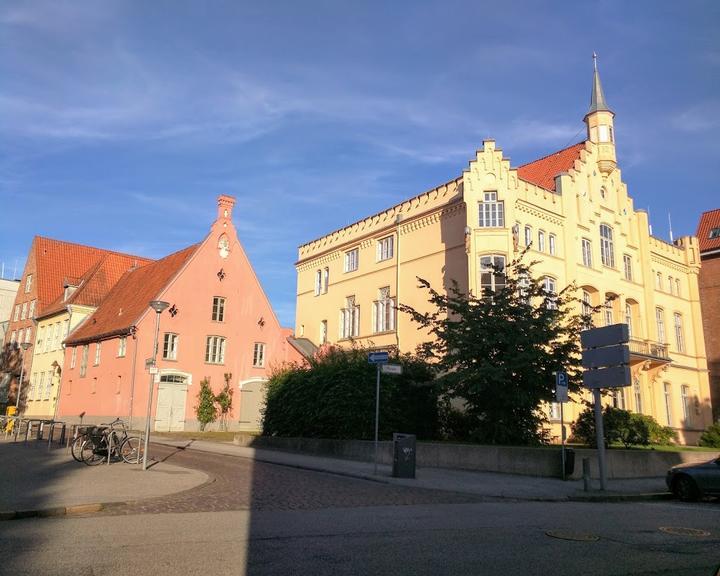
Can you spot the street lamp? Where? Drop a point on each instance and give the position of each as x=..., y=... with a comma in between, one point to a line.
x=24, y=346
x=158, y=306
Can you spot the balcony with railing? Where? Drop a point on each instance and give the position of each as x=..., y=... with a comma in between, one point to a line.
x=647, y=350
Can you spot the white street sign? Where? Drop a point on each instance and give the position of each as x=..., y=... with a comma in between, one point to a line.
x=391, y=369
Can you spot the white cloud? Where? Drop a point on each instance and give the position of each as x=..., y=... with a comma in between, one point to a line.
x=701, y=117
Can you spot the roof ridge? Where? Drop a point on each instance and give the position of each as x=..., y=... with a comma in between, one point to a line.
x=106, y=250
x=553, y=153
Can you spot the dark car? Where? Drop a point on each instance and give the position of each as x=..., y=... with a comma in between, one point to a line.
x=693, y=481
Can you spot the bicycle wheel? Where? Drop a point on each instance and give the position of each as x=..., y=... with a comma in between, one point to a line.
x=93, y=454
x=132, y=450
x=76, y=447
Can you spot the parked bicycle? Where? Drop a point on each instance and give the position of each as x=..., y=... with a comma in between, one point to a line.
x=109, y=441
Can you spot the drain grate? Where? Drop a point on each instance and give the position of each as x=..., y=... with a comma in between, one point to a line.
x=681, y=531
x=574, y=536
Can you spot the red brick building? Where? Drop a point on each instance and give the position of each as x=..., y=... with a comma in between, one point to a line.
x=708, y=234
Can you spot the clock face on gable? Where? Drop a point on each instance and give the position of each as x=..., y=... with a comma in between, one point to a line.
x=223, y=246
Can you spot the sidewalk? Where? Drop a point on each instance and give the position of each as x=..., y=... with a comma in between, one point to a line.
x=35, y=481
x=491, y=485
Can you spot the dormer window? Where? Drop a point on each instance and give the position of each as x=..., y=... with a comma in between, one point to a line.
x=69, y=289
x=714, y=233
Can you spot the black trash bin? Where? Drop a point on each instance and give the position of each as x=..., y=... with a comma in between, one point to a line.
x=403, y=455
x=569, y=462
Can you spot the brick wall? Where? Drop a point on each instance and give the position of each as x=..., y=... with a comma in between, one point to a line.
x=709, y=284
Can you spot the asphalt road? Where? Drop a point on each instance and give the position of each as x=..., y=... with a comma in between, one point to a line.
x=263, y=519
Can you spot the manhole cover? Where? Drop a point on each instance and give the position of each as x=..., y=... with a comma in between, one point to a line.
x=576, y=536
x=680, y=531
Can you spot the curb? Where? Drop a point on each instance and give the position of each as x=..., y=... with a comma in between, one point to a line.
x=590, y=498
x=76, y=510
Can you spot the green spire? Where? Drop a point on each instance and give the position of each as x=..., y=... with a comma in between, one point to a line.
x=597, y=99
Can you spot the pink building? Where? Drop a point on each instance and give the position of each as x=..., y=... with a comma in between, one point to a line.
x=219, y=324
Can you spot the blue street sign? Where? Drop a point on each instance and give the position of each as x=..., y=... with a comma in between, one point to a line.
x=561, y=387
x=379, y=357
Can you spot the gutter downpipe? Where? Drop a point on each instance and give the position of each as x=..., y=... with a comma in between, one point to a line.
x=132, y=378
x=398, y=219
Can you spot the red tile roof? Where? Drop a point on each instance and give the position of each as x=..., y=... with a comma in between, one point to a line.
x=709, y=221
x=97, y=282
x=542, y=172
x=56, y=260
x=128, y=300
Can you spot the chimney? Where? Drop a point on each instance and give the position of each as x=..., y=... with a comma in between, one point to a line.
x=225, y=206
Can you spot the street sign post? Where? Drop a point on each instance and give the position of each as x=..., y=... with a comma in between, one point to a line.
x=380, y=359
x=606, y=359
x=561, y=396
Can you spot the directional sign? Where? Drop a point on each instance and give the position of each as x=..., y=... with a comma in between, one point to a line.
x=391, y=369
x=379, y=357
x=149, y=362
x=561, y=387
x=615, y=377
x=606, y=336
x=608, y=356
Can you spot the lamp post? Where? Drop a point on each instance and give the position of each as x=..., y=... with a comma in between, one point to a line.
x=24, y=346
x=158, y=306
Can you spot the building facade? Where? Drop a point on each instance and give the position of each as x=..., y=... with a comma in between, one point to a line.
x=572, y=209
x=52, y=268
x=218, y=325
x=708, y=234
x=78, y=300
x=8, y=293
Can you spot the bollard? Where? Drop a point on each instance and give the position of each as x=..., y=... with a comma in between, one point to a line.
x=586, y=474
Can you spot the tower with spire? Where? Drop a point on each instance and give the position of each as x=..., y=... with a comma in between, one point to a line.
x=600, y=128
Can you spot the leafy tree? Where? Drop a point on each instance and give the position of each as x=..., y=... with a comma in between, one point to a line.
x=623, y=426
x=224, y=401
x=497, y=353
x=206, y=411
x=333, y=396
x=711, y=436
x=10, y=361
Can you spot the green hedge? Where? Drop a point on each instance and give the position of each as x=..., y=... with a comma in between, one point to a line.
x=711, y=437
x=628, y=428
x=334, y=397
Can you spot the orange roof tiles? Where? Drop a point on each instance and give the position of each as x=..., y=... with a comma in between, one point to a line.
x=56, y=260
x=97, y=282
x=709, y=222
x=128, y=300
x=542, y=172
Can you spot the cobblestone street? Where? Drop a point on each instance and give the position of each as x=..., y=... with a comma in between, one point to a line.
x=240, y=484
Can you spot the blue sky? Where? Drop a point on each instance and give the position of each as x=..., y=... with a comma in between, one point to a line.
x=122, y=121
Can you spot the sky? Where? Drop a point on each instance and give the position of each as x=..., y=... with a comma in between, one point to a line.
x=122, y=121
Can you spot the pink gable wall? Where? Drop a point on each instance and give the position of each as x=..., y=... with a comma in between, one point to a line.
x=107, y=389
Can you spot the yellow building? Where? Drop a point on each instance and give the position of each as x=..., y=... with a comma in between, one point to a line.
x=573, y=210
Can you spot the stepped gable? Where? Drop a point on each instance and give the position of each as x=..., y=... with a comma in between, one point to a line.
x=129, y=298
x=57, y=260
x=97, y=282
x=708, y=221
x=542, y=172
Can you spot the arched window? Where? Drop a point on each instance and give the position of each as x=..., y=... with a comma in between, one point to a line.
x=492, y=273
x=550, y=287
x=607, y=248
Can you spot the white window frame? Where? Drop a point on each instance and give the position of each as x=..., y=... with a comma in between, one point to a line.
x=23, y=313
x=352, y=260
x=326, y=279
x=627, y=266
x=637, y=390
x=28, y=334
x=586, y=248
x=667, y=394
x=318, y=282
x=170, y=345
x=528, y=235
x=491, y=211
x=384, y=312
x=660, y=324
x=215, y=350
x=550, y=287
x=552, y=240
x=385, y=248
x=218, y=309
x=56, y=336
x=607, y=246
x=489, y=278
x=84, y=359
x=16, y=317
x=679, y=333
x=608, y=313
x=259, y=355
x=40, y=386
x=73, y=357
x=323, y=331
x=350, y=319
x=28, y=283
x=98, y=352
x=31, y=310
x=122, y=346
x=48, y=386
x=541, y=241
x=629, y=318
